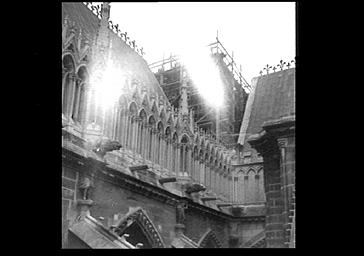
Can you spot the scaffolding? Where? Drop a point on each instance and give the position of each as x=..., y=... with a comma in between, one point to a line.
x=222, y=125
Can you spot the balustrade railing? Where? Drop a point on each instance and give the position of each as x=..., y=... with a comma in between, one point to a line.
x=115, y=28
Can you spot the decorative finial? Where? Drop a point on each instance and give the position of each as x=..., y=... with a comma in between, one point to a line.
x=267, y=68
x=117, y=28
x=281, y=64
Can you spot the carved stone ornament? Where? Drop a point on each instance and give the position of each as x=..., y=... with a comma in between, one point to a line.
x=85, y=187
x=180, y=213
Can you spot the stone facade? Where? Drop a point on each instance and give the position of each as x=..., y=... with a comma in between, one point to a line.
x=128, y=164
x=269, y=129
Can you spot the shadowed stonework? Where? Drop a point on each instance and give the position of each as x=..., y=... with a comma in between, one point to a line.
x=139, y=171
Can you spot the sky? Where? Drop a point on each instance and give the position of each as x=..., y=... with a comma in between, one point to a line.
x=258, y=33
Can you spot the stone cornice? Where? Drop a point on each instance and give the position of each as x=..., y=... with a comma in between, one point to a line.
x=248, y=164
x=100, y=170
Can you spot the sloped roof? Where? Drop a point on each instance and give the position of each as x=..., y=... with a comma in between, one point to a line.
x=272, y=98
x=130, y=61
x=95, y=235
x=82, y=16
x=184, y=242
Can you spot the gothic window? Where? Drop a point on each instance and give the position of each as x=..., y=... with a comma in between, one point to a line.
x=79, y=95
x=211, y=172
x=120, y=130
x=241, y=186
x=151, y=136
x=251, y=186
x=215, y=182
x=207, y=171
x=174, y=152
x=184, y=154
x=159, y=149
x=131, y=125
x=220, y=185
x=209, y=240
x=167, y=148
x=141, y=136
x=260, y=186
x=224, y=183
x=194, y=167
x=67, y=83
x=137, y=224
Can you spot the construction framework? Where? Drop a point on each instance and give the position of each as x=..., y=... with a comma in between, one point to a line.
x=223, y=124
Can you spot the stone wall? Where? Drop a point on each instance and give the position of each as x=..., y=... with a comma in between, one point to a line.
x=69, y=183
x=279, y=179
x=197, y=224
x=111, y=200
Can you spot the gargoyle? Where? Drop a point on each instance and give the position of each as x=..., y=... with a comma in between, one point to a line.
x=104, y=146
x=85, y=186
x=194, y=187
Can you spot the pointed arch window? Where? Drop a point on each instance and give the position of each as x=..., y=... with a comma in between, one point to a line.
x=79, y=95
x=151, y=136
x=68, y=74
x=184, y=154
x=174, y=153
x=137, y=224
x=141, y=131
x=159, y=142
x=166, y=149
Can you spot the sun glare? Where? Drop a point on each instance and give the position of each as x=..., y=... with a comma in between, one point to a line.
x=109, y=89
x=204, y=74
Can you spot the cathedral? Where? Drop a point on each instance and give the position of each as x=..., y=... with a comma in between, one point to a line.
x=146, y=164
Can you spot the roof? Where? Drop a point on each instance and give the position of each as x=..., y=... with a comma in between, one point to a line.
x=184, y=242
x=272, y=98
x=95, y=235
x=82, y=16
x=128, y=60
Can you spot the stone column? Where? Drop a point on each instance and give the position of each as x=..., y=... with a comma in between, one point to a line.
x=77, y=99
x=71, y=95
x=64, y=77
x=147, y=138
x=144, y=139
x=154, y=144
x=192, y=164
x=161, y=151
x=180, y=219
x=230, y=185
x=90, y=105
x=138, y=122
x=287, y=170
x=115, y=123
x=178, y=155
x=133, y=126
x=207, y=175
x=171, y=155
x=83, y=117
x=122, y=127
x=136, y=133
x=274, y=220
x=202, y=171
x=198, y=170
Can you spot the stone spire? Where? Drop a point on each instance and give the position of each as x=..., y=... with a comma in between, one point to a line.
x=184, y=103
x=99, y=61
x=103, y=33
